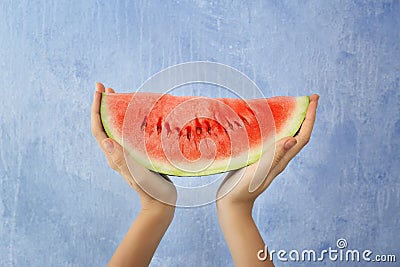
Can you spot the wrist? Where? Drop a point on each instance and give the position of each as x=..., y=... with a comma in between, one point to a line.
x=229, y=205
x=230, y=210
x=159, y=211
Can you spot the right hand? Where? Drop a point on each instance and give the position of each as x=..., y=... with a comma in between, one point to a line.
x=254, y=179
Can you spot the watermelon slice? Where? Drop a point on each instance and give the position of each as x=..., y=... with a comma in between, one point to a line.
x=194, y=136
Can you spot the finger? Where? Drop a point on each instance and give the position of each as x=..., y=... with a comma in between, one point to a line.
x=270, y=158
x=116, y=160
x=276, y=167
x=155, y=185
x=96, y=125
x=281, y=148
x=141, y=179
x=110, y=90
x=100, y=87
x=116, y=154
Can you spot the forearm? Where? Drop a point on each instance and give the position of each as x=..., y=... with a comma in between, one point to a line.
x=241, y=234
x=141, y=241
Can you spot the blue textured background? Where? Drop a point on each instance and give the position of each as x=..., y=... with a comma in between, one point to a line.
x=61, y=205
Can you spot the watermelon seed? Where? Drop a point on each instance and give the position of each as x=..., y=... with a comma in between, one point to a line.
x=188, y=135
x=159, y=125
x=198, y=130
x=144, y=123
x=230, y=125
x=207, y=124
x=238, y=124
x=168, y=129
x=244, y=120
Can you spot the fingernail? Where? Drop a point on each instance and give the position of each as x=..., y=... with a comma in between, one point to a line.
x=108, y=146
x=291, y=143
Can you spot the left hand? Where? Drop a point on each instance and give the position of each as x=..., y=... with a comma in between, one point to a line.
x=116, y=159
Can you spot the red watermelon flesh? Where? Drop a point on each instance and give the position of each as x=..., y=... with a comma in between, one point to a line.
x=194, y=136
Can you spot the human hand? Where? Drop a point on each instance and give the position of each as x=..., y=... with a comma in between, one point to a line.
x=139, y=244
x=240, y=189
x=245, y=185
x=127, y=167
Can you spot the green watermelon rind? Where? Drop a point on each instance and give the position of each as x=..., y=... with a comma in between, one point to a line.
x=106, y=120
x=290, y=129
x=221, y=167
x=293, y=125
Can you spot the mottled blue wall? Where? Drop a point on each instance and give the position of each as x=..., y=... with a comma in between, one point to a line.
x=60, y=204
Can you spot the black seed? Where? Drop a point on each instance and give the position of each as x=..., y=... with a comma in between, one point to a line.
x=238, y=124
x=198, y=130
x=208, y=126
x=144, y=123
x=188, y=133
x=159, y=127
x=244, y=120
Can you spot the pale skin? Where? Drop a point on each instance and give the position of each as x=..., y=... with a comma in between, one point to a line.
x=141, y=241
x=234, y=208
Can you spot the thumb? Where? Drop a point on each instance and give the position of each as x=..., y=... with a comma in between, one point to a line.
x=116, y=155
x=266, y=171
x=288, y=143
x=108, y=145
x=281, y=148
